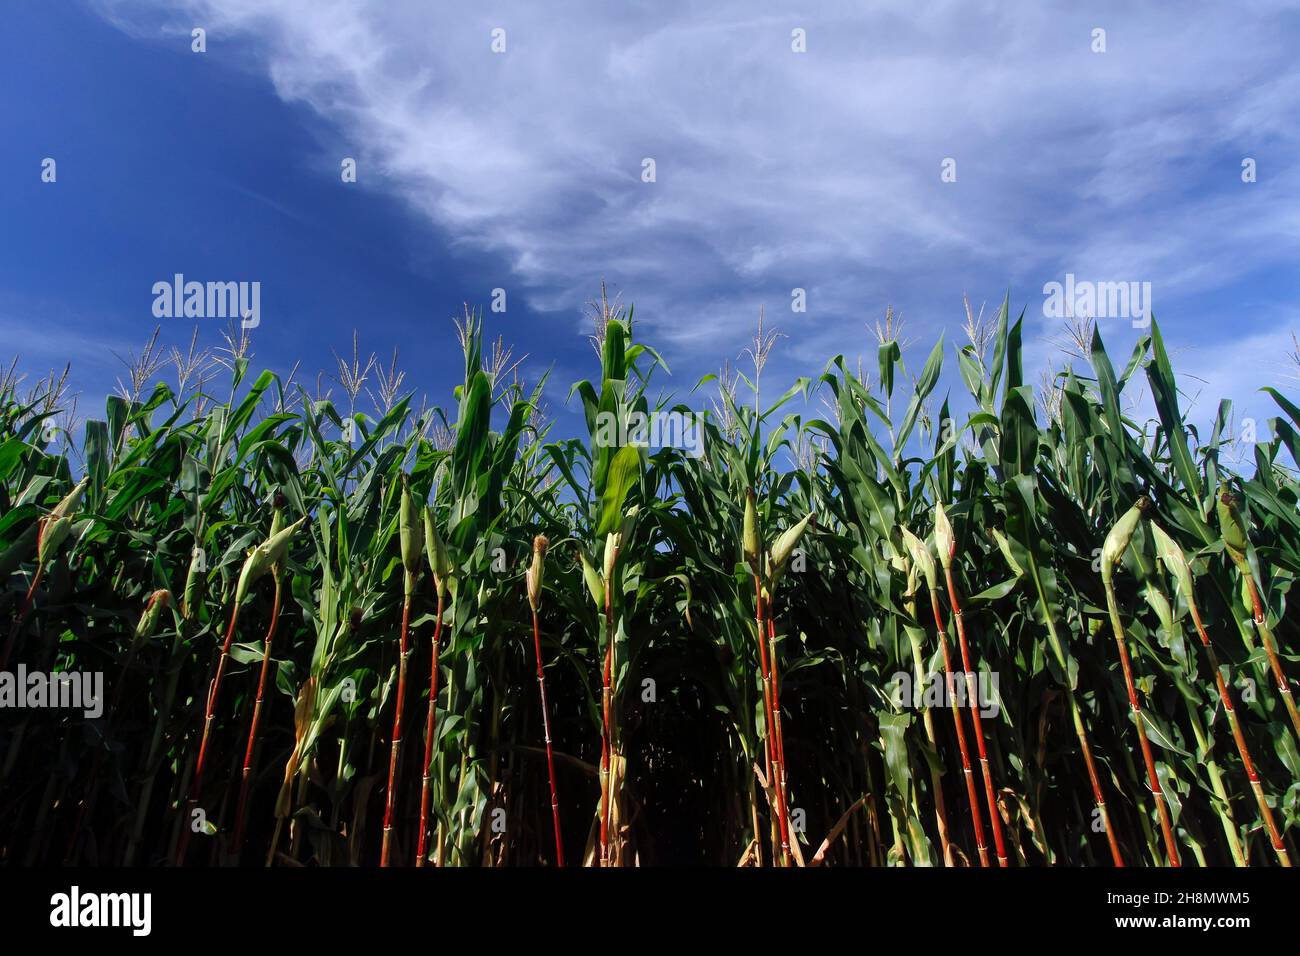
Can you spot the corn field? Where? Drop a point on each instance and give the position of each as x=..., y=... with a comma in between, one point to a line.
x=1030, y=628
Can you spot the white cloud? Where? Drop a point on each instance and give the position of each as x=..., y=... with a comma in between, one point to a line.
x=818, y=170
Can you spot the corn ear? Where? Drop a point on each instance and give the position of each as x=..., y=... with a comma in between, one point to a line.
x=1117, y=541
x=750, y=540
x=277, y=522
x=921, y=557
x=944, y=540
x=1231, y=525
x=194, y=581
x=152, y=613
x=71, y=500
x=58, y=523
x=53, y=534
x=785, y=546
x=260, y=560
x=1160, y=604
x=254, y=568
x=536, y=571
x=277, y=545
x=594, y=583
x=436, y=552
x=411, y=531
x=913, y=585
x=1175, y=562
x=612, y=541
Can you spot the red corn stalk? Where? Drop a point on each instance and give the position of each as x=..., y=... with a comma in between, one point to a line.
x=769, y=741
x=927, y=721
x=1275, y=837
x=534, y=582
x=209, y=713
x=1166, y=828
x=778, y=559
x=440, y=564
x=971, y=793
x=607, y=699
x=261, y=559
x=550, y=756
x=778, y=738
x=766, y=674
x=390, y=802
x=946, y=544
x=607, y=729
x=247, y=776
x=915, y=638
x=1112, y=552
x=1236, y=541
x=1266, y=637
x=430, y=729
x=1080, y=731
x=989, y=790
x=752, y=547
x=778, y=731
x=1175, y=562
x=411, y=534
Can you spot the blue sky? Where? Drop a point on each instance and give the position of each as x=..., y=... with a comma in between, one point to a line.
x=522, y=170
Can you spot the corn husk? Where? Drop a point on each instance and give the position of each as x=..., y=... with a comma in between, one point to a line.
x=277, y=525
x=58, y=523
x=194, y=581
x=785, y=546
x=158, y=601
x=1231, y=525
x=436, y=552
x=945, y=543
x=612, y=542
x=411, y=531
x=750, y=540
x=262, y=558
x=536, y=570
x=921, y=557
x=1175, y=562
x=913, y=585
x=1160, y=604
x=1117, y=541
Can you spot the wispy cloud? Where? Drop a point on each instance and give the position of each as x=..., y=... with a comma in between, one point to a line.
x=817, y=170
